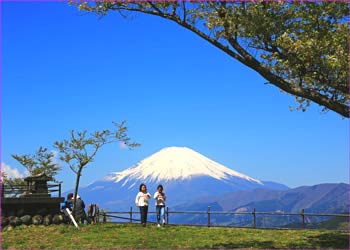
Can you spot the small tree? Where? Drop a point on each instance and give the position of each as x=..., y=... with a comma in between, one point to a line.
x=40, y=162
x=81, y=148
x=11, y=184
x=11, y=181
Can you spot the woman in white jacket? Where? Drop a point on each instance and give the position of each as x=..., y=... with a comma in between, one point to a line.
x=141, y=201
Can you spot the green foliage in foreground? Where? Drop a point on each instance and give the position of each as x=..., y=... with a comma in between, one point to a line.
x=134, y=236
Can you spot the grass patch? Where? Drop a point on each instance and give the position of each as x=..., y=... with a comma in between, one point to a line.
x=135, y=236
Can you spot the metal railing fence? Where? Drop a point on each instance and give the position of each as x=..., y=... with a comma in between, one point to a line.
x=304, y=218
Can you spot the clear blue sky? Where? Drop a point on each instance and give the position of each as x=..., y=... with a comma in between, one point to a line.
x=66, y=70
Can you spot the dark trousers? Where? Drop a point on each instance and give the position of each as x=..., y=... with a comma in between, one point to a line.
x=143, y=212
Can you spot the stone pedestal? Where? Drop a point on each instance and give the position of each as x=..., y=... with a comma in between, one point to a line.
x=31, y=206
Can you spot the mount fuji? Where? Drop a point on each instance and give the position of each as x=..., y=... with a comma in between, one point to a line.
x=185, y=175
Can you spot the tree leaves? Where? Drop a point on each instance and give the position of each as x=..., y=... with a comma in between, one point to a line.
x=300, y=47
x=40, y=162
x=81, y=148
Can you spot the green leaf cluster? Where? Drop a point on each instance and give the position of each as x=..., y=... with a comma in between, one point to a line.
x=81, y=148
x=300, y=47
x=40, y=162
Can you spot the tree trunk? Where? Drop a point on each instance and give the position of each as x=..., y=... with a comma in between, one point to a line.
x=76, y=189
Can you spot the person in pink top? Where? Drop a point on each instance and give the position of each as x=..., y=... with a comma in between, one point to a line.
x=141, y=201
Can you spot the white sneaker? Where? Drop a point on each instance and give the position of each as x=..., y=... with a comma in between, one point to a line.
x=158, y=225
x=163, y=221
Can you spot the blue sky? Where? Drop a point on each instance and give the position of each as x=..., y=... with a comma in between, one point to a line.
x=64, y=70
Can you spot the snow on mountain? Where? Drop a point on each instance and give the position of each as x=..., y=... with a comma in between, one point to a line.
x=185, y=175
x=177, y=163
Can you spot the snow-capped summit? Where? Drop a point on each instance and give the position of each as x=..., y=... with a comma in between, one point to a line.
x=185, y=175
x=177, y=163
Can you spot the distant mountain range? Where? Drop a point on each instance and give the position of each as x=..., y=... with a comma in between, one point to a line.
x=322, y=198
x=193, y=182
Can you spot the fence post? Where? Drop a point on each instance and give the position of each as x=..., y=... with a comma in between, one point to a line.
x=167, y=215
x=254, y=214
x=303, y=218
x=59, y=190
x=130, y=214
x=208, y=216
x=104, y=217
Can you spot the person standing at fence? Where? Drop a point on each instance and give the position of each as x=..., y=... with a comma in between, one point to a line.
x=160, y=198
x=141, y=201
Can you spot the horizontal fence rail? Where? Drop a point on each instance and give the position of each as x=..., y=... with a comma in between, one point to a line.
x=129, y=217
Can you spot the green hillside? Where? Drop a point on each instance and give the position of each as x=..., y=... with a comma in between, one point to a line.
x=336, y=223
x=134, y=236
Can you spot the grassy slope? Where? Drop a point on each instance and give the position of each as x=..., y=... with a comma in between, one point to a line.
x=333, y=223
x=135, y=236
